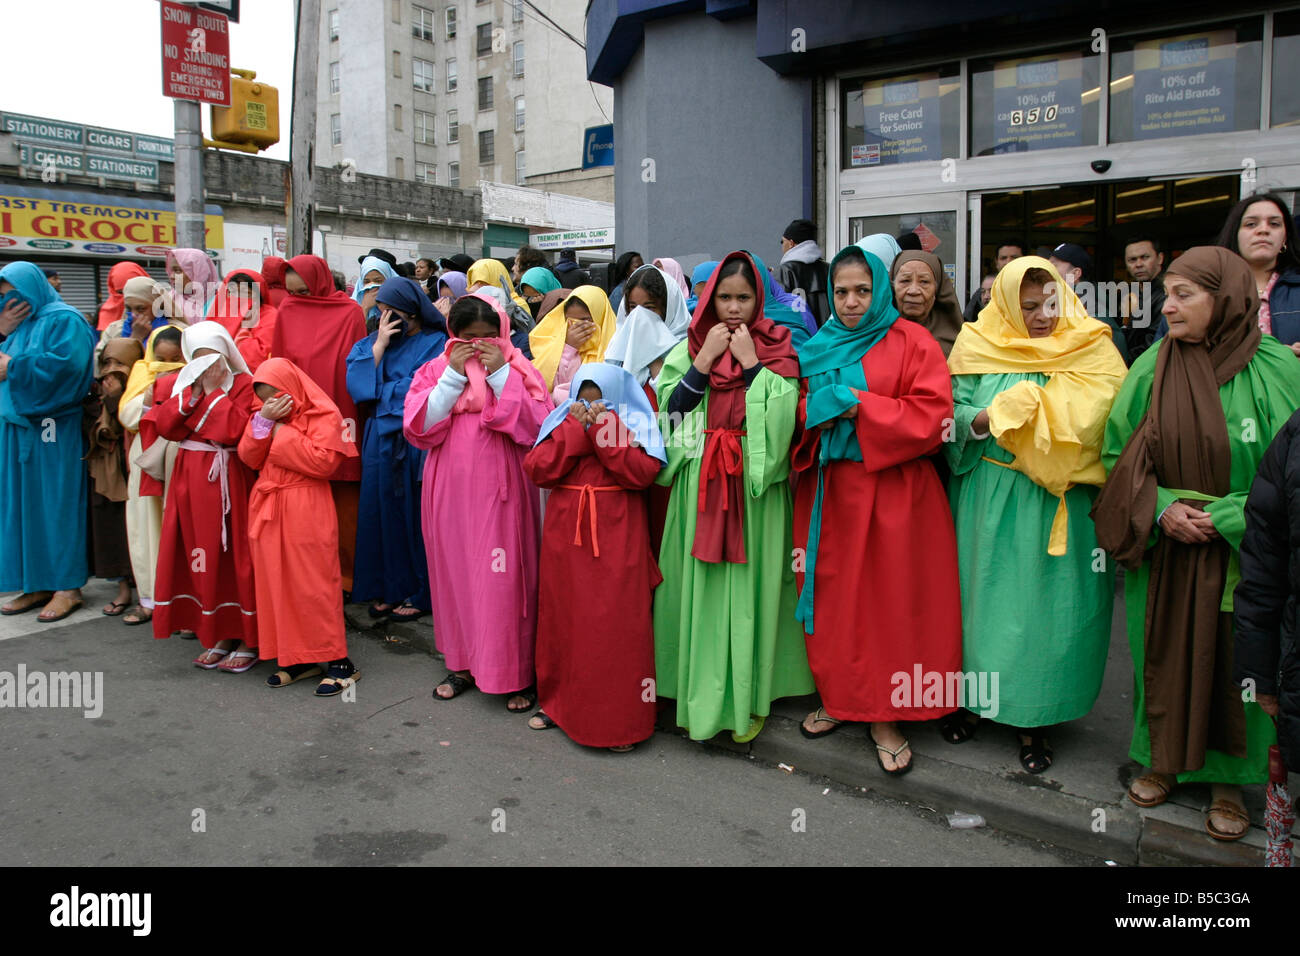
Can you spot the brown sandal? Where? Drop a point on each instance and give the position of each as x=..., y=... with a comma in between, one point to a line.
x=1153, y=780
x=1233, y=811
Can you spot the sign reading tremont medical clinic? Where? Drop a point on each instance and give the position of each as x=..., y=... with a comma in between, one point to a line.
x=195, y=54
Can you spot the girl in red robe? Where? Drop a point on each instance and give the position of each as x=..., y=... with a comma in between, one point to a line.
x=205, y=574
x=597, y=453
x=315, y=329
x=880, y=600
x=296, y=440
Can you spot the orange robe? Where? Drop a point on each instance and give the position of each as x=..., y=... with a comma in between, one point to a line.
x=295, y=553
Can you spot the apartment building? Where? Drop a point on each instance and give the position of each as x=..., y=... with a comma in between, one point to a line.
x=445, y=93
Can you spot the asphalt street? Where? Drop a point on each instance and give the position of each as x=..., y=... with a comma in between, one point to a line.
x=193, y=767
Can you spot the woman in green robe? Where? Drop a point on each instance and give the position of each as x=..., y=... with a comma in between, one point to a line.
x=1033, y=381
x=1182, y=445
x=726, y=640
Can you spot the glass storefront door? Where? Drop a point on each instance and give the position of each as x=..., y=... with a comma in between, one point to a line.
x=933, y=219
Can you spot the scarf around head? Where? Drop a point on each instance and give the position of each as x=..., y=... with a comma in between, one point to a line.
x=208, y=335
x=720, y=523
x=146, y=371
x=674, y=269
x=786, y=308
x=881, y=245
x=945, y=317
x=201, y=278
x=456, y=283
x=492, y=273
x=832, y=362
x=370, y=264
x=313, y=414
x=160, y=313
x=273, y=269
x=408, y=296
x=115, y=305
x=546, y=340
x=230, y=306
x=1182, y=443
x=474, y=397
x=622, y=395
x=543, y=280
x=1068, y=413
x=699, y=274
x=641, y=336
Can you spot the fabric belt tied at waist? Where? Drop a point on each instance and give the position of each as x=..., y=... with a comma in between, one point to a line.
x=1059, y=538
x=263, y=504
x=723, y=458
x=220, y=471
x=587, y=497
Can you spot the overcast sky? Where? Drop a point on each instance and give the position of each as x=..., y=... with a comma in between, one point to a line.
x=99, y=62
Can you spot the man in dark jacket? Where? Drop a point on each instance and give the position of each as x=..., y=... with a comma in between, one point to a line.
x=803, y=270
x=568, y=272
x=1265, y=602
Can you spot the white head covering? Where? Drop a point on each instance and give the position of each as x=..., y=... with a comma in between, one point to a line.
x=207, y=334
x=641, y=336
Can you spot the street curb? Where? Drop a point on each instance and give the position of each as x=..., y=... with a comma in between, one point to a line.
x=1169, y=835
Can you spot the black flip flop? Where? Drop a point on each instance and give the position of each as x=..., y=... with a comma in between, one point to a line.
x=957, y=727
x=1035, y=756
x=406, y=606
x=820, y=714
x=545, y=718
x=457, y=684
x=121, y=609
x=376, y=614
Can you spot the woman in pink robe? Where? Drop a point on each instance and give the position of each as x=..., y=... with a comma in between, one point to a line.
x=477, y=409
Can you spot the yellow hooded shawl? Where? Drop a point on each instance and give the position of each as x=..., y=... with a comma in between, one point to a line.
x=146, y=371
x=1053, y=430
x=493, y=273
x=547, y=340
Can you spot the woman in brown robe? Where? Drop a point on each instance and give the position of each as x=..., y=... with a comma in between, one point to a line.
x=106, y=462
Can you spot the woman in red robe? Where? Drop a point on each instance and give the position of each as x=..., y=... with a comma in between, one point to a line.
x=315, y=329
x=880, y=598
x=205, y=573
x=243, y=306
x=597, y=452
x=296, y=440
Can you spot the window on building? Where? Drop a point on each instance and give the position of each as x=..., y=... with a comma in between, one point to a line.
x=399, y=168
x=422, y=75
x=900, y=119
x=422, y=23
x=453, y=174
x=519, y=113
x=425, y=128
x=334, y=24
x=397, y=116
x=1045, y=101
x=517, y=11
x=336, y=129
x=453, y=79
x=334, y=77
x=483, y=39
x=485, y=92
x=1285, y=100
x=426, y=173
x=487, y=147
x=520, y=173
x=453, y=126
x=1202, y=81
x=519, y=58
x=450, y=21
x=397, y=64
x=397, y=11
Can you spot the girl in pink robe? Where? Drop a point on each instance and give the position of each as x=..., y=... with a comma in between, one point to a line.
x=480, y=514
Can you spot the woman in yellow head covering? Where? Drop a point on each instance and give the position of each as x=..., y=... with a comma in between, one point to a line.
x=144, y=510
x=491, y=273
x=1033, y=382
x=574, y=333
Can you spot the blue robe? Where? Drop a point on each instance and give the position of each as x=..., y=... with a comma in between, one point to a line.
x=44, y=487
x=390, y=560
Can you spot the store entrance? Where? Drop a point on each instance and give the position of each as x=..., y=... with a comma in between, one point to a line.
x=1104, y=217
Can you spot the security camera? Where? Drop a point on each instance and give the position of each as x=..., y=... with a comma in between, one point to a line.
x=1100, y=166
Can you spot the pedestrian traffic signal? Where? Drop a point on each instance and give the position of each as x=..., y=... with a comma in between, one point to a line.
x=252, y=121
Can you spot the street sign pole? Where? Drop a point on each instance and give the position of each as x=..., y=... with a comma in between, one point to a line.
x=189, y=175
x=195, y=70
x=302, y=145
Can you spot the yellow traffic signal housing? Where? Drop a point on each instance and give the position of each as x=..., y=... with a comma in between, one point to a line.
x=253, y=117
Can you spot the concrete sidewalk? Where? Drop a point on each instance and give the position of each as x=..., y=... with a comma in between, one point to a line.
x=1079, y=803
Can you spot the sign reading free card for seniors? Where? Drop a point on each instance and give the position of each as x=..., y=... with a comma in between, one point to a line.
x=1184, y=85
x=901, y=121
x=1038, y=103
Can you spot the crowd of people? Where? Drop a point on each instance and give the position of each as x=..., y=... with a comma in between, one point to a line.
x=717, y=490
